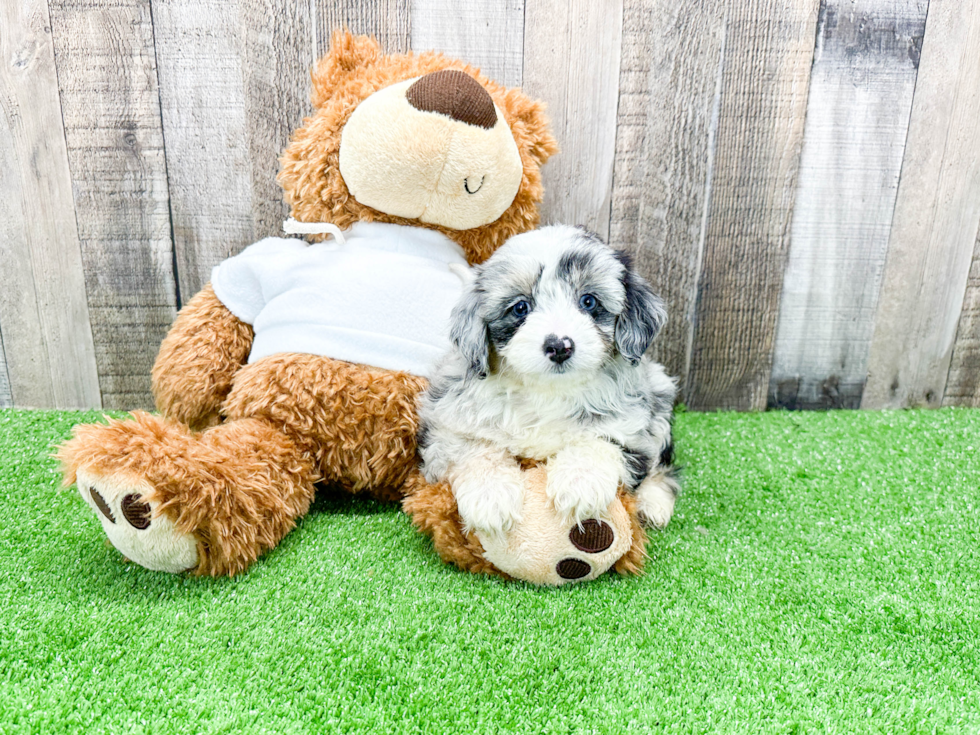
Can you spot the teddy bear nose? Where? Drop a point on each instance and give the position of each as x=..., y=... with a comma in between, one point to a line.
x=456, y=94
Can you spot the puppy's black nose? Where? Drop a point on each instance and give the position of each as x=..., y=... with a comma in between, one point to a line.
x=558, y=349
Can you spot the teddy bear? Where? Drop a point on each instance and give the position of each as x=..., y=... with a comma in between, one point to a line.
x=299, y=365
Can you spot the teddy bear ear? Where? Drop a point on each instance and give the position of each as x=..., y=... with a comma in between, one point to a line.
x=535, y=127
x=348, y=53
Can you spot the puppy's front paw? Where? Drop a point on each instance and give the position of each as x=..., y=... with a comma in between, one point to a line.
x=493, y=508
x=657, y=495
x=579, y=493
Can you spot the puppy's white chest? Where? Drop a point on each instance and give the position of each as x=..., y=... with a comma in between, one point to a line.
x=534, y=429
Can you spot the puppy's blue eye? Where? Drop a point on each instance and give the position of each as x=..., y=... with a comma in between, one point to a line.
x=588, y=302
x=521, y=308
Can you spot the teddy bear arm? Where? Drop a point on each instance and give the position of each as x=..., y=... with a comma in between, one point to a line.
x=198, y=360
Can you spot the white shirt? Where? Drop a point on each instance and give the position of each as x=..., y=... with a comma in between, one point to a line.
x=382, y=298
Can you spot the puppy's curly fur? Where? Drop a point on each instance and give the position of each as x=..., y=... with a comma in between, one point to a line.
x=548, y=364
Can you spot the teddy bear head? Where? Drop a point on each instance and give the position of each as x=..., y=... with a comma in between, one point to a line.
x=417, y=139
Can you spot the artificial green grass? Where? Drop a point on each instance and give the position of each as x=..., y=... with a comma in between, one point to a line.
x=820, y=575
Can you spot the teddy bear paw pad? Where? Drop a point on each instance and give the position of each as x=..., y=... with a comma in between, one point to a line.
x=149, y=539
x=573, y=568
x=592, y=536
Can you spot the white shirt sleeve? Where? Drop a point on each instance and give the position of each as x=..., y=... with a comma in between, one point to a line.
x=239, y=281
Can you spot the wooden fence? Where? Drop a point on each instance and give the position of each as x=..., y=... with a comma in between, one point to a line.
x=799, y=178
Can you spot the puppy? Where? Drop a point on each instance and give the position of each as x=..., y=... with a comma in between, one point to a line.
x=548, y=364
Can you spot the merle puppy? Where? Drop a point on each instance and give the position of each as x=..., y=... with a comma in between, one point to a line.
x=548, y=364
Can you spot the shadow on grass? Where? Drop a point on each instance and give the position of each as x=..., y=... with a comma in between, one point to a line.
x=331, y=499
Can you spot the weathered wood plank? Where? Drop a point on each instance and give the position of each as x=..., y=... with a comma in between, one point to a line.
x=111, y=108
x=963, y=382
x=47, y=338
x=571, y=61
x=278, y=57
x=857, y=120
x=12, y=234
x=199, y=50
x=669, y=92
x=390, y=21
x=934, y=229
x=768, y=51
x=487, y=35
x=6, y=399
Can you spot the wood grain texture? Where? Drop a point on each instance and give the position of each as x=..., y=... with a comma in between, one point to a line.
x=111, y=109
x=768, y=51
x=858, y=112
x=390, y=21
x=199, y=49
x=50, y=357
x=963, y=381
x=934, y=229
x=278, y=56
x=571, y=61
x=6, y=399
x=487, y=35
x=669, y=92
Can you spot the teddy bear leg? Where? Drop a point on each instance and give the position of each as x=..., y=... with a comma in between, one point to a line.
x=357, y=423
x=432, y=507
x=174, y=501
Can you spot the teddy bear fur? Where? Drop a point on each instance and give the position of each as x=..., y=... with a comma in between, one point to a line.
x=236, y=454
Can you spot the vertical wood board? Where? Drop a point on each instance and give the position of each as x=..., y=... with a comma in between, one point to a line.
x=6, y=399
x=860, y=101
x=934, y=229
x=278, y=56
x=390, y=21
x=50, y=356
x=110, y=104
x=199, y=50
x=768, y=52
x=487, y=35
x=669, y=92
x=571, y=61
x=963, y=381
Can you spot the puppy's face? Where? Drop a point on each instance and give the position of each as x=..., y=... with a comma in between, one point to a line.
x=555, y=303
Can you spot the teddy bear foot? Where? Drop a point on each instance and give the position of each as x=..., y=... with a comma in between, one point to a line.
x=133, y=526
x=546, y=549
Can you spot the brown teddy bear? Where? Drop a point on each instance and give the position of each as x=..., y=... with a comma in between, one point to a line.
x=418, y=165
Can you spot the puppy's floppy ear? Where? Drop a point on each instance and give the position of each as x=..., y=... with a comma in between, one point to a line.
x=642, y=317
x=468, y=333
